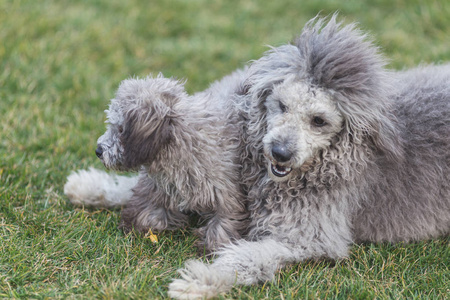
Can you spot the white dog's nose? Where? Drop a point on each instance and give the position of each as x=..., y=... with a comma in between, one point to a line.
x=99, y=151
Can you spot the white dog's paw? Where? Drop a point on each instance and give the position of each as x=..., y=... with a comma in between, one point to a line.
x=200, y=281
x=98, y=188
x=84, y=188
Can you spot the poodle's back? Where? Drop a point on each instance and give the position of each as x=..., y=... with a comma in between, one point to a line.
x=410, y=199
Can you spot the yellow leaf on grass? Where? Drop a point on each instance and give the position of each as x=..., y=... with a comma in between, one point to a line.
x=151, y=236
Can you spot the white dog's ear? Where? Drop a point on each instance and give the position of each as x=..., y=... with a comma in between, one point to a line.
x=143, y=137
x=149, y=117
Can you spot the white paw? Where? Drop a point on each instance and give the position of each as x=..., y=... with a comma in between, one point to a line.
x=98, y=188
x=200, y=281
x=82, y=188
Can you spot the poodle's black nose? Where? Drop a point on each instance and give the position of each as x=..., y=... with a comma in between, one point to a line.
x=281, y=153
x=99, y=151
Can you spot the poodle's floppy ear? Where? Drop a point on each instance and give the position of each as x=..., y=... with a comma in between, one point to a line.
x=149, y=117
x=374, y=127
x=343, y=61
x=386, y=138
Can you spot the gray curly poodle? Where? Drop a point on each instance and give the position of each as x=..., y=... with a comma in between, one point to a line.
x=336, y=150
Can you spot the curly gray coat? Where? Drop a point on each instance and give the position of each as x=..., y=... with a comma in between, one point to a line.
x=336, y=150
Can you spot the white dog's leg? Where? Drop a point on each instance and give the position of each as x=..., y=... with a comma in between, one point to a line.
x=221, y=230
x=150, y=207
x=243, y=263
x=98, y=188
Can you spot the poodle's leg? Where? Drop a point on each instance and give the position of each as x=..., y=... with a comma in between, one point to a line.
x=151, y=208
x=98, y=188
x=247, y=263
x=244, y=263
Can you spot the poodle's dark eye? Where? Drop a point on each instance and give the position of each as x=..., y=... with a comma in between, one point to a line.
x=283, y=107
x=120, y=128
x=318, y=122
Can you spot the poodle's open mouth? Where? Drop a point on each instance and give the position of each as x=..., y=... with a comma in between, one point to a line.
x=280, y=171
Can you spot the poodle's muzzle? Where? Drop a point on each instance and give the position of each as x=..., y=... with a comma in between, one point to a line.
x=279, y=158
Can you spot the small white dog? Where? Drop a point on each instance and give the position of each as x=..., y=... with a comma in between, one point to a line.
x=186, y=148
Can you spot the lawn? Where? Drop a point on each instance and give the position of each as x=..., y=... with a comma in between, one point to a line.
x=60, y=63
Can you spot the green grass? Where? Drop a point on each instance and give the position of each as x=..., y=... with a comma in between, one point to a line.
x=60, y=63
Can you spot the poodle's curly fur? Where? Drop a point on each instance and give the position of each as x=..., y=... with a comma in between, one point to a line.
x=324, y=144
x=336, y=150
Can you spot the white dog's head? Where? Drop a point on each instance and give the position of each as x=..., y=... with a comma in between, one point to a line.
x=139, y=122
x=329, y=86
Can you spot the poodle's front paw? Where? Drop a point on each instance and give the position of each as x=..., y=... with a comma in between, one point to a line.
x=200, y=281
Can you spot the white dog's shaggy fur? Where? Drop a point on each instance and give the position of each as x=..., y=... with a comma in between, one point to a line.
x=333, y=149
x=186, y=150
x=98, y=188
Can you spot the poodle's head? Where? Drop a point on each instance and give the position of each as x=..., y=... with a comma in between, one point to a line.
x=139, y=122
x=328, y=86
x=301, y=120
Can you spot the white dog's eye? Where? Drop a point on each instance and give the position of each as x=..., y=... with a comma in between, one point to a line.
x=120, y=128
x=318, y=122
x=283, y=107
